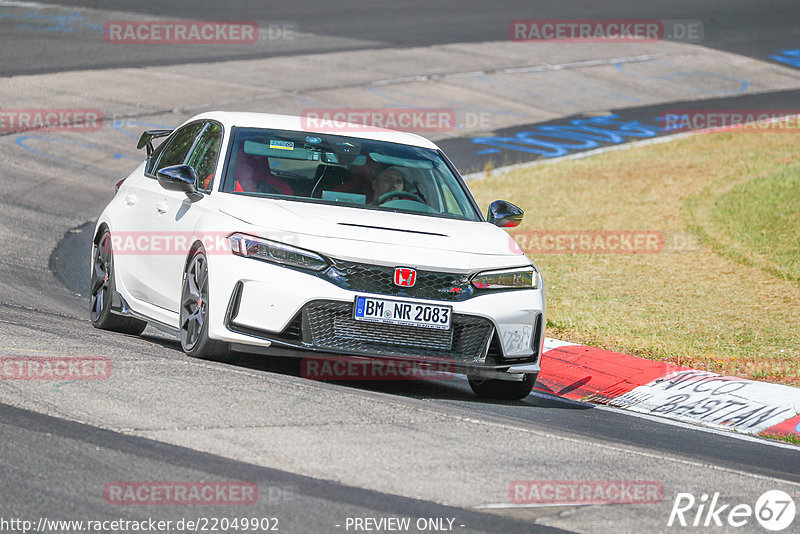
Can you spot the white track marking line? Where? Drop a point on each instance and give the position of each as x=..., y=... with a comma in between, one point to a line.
x=673, y=422
x=702, y=428
x=518, y=70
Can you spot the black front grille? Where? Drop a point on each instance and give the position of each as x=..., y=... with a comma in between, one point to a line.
x=380, y=279
x=332, y=327
x=349, y=330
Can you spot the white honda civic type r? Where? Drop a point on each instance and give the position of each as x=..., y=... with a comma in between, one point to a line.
x=257, y=233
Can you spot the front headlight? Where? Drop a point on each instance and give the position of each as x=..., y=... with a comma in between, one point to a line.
x=521, y=278
x=275, y=252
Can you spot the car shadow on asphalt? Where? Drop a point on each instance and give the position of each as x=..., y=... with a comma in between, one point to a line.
x=441, y=387
x=445, y=386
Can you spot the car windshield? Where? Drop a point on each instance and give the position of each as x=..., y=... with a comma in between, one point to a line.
x=349, y=171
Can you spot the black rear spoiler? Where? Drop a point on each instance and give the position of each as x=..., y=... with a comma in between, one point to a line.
x=146, y=140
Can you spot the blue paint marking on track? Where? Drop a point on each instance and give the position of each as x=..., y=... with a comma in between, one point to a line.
x=385, y=96
x=527, y=90
x=743, y=84
x=23, y=138
x=309, y=100
x=59, y=23
x=595, y=88
x=22, y=141
x=788, y=57
x=118, y=125
x=555, y=140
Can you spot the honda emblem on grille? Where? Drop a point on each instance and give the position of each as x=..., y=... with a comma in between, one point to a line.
x=405, y=277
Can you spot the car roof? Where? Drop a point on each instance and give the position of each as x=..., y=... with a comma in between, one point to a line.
x=302, y=124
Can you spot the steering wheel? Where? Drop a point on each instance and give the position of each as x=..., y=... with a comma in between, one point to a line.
x=386, y=197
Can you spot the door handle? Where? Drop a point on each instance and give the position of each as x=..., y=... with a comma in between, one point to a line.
x=130, y=199
x=162, y=207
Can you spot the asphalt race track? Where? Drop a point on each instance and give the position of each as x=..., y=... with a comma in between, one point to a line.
x=352, y=25
x=322, y=453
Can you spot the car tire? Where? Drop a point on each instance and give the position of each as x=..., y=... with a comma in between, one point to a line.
x=503, y=389
x=194, y=312
x=102, y=288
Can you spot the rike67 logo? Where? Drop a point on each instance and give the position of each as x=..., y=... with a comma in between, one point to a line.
x=774, y=510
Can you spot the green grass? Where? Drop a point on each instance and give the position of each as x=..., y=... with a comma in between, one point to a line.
x=788, y=438
x=722, y=295
x=758, y=222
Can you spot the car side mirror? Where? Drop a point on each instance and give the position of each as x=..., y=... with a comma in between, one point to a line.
x=504, y=214
x=180, y=178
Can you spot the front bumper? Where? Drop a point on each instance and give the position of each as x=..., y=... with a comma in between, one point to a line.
x=280, y=308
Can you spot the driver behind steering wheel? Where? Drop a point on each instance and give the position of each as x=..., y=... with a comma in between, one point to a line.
x=388, y=180
x=391, y=183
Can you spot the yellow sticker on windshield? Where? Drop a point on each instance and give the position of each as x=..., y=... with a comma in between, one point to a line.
x=281, y=145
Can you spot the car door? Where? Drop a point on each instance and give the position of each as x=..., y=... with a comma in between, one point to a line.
x=179, y=213
x=145, y=220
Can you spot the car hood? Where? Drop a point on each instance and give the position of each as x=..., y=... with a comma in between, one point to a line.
x=325, y=227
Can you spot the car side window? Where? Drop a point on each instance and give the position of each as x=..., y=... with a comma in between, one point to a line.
x=203, y=158
x=151, y=161
x=180, y=143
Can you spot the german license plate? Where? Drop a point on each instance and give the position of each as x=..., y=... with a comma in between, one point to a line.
x=402, y=313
